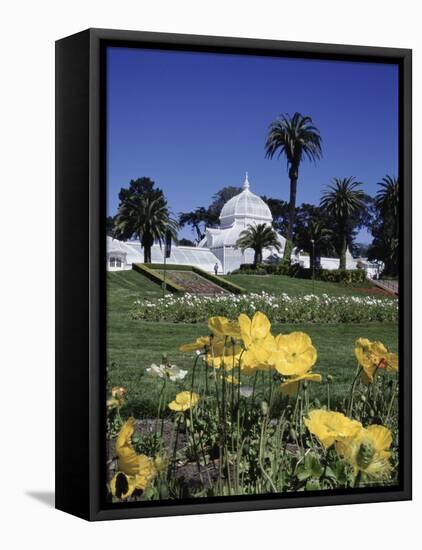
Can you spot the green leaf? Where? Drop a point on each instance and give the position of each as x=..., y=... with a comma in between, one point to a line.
x=312, y=484
x=303, y=474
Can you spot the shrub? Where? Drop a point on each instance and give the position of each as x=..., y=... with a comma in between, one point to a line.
x=280, y=309
x=345, y=276
x=152, y=272
x=156, y=277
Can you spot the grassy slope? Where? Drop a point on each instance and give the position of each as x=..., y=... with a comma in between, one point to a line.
x=134, y=345
x=281, y=283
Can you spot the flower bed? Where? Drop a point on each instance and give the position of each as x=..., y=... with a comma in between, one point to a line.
x=236, y=439
x=279, y=309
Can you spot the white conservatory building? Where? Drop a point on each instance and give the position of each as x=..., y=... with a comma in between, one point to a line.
x=218, y=247
x=236, y=215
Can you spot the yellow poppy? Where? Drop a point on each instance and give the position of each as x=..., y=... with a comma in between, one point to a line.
x=372, y=356
x=221, y=326
x=291, y=385
x=257, y=357
x=122, y=486
x=184, y=401
x=130, y=463
x=254, y=331
x=118, y=392
x=147, y=472
x=294, y=354
x=112, y=403
x=330, y=426
x=368, y=452
x=201, y=343
x=258, y=340
x=223, y=352
x=117, y=397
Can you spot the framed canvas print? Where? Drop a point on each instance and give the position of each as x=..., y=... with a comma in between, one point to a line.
x=233, y=274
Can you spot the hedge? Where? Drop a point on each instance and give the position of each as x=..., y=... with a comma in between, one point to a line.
x=157, y=278
x=345, y=276
x=227, y=285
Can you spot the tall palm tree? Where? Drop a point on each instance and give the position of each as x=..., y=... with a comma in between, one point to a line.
x=147, y=216
x=296, y=138
x=385, y=245
x=343, y=200
x=315, y=239
x=258, y=237
x=387, y=201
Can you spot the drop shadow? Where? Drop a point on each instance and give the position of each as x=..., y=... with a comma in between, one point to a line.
x=45, y=497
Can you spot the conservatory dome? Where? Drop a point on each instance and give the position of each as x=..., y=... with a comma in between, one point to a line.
x=246, y=207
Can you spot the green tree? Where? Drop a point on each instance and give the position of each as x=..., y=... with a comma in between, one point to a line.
x=343, y=201
x=280, y=213
x=203, y=217
x=296, y=138
x=197, y=219
x=385, y=229
x=218, y=201
x=258, y=237
x=387, y=201
x=143, y=212
x=316, y=239
x=110, y=225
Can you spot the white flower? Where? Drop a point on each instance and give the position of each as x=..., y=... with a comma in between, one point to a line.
x=156, y=371
x=172, y=372
x=246, y=391
x=175, y=373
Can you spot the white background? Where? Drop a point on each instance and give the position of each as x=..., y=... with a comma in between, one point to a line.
x=29, y=29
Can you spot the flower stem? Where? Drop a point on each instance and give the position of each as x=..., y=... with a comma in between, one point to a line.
x=352, y=391
x=358, y=479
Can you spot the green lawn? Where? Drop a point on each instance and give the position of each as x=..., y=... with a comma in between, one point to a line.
x=293, y=286
x=134, y=345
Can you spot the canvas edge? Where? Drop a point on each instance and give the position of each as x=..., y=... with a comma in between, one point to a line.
x=96, y=314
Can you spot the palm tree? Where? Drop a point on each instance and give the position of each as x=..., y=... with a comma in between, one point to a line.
x=387, y=201
x=147, y=216
x=343, y=200
x=315, y=239
x=295, y=137
x=258, y=237
x=385, y=245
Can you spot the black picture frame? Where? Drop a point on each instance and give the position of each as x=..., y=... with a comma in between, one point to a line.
x=80, y=270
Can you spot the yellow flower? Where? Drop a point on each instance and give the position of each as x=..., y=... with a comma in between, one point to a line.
x=221, y=326
x=254, y=331
x=372, y=356
x=201, y=343
x=184, y=401
x=112, y=403
x=258, y=340
x=223, y=352
x=291, y=385
x=161, y=462
x=147, y=472
x=330, y=426
x=130, y=463
x=368, y=452
x=122, y=486
x=118, y=392
x=117, y=398
x=294, y=354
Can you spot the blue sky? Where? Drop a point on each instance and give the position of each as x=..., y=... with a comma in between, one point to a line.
x=195, y=122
